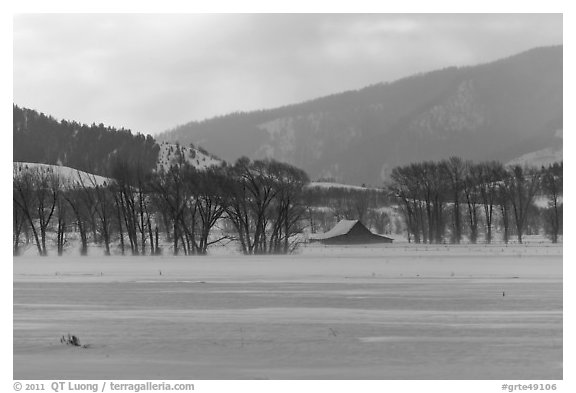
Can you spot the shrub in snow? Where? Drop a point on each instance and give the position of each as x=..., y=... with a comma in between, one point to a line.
x=70, y=340
x=73, y=341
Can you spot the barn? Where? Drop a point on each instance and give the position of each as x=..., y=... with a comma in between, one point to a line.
x=349, y=232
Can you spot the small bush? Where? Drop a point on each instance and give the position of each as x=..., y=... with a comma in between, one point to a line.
x=73, y=341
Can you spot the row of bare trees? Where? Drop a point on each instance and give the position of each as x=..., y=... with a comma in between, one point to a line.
x=46, y=203
x=259, y=200
x=440, y=198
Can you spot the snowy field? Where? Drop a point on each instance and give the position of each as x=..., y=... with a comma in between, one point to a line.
x=383, y=312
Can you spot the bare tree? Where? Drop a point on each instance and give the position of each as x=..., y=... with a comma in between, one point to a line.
x=522, y=186
x=406, y=188
x=487, y=176
x=250, y=194
x=454, y=169
x=36, y=192
x=429, y=188
x=471, y=188
x=23, y=189
x=169, y=188
x=18, y=219
x=288, y=210
x=552, y=189
x=62, y=215
x=210, y=203
x=503, y=199
x=99, y=198
x=262, y=202
x=73, y=196
x=127, y=200
x=118, y=216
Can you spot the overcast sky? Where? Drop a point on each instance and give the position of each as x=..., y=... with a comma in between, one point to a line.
x=150, y=73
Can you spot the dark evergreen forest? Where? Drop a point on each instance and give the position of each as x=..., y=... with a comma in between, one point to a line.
x=92, y=148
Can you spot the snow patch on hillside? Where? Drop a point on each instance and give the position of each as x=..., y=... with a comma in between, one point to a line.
x=68, y=176
x=543, y=157
x=171, y=153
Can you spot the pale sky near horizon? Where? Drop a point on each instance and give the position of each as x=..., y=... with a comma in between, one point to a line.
x=152, y=72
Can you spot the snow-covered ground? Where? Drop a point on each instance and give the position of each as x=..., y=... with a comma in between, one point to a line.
x=386, y=312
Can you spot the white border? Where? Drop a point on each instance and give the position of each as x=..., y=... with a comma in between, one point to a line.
x=170, y=6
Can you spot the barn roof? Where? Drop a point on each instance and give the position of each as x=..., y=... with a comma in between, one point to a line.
x=342, y=228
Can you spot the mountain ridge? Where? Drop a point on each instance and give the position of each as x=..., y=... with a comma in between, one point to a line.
x=357, y=136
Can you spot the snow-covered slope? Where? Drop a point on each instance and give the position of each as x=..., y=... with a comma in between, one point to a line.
x=171, y=153
x=68, y=176
x=543, y=157
x=316, y=184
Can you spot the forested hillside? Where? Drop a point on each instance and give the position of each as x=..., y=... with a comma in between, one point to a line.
x=39, y=138
x=500, y=110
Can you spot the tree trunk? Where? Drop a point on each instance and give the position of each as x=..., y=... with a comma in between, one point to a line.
x=152, y=251
x=157, y=250
x=175, y=233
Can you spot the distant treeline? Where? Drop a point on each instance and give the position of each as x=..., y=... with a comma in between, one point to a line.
x=259, y=203
x=94, y=149
x=442, y=200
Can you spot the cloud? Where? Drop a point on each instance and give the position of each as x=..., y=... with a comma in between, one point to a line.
x=152, y=72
